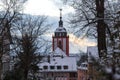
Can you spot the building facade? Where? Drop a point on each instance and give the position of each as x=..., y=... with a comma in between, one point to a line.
x=58, y=67
x=92, y=52
x=82, y=71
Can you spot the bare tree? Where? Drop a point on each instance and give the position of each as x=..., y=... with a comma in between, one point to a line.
x=100, y=17
x=93, y=17
x=28, y=34
x=9, y=13
x=89, y=18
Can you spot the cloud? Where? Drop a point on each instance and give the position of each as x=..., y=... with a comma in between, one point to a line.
x=40, y=7
x=46, y=7
x=76, y=44
x=51, y=8
x=81, y=44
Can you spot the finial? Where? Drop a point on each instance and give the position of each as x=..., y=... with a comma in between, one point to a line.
x=60, y=22
x=60, y=13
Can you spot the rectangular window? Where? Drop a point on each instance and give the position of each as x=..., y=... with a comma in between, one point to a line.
x=52, y=67
x=58, y=67
x=73, y=75
x=65, y=67
x=45, y=67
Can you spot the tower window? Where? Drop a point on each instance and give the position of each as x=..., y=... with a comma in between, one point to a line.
x=63, y=34
x=59, y=34
x=60, y=45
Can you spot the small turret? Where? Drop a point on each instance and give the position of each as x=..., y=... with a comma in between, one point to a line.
x=60, y=31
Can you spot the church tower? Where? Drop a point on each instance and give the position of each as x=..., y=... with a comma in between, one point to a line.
x=60, y=38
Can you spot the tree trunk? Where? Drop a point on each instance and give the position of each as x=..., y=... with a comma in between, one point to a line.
x=25, y=74
x=101, y=27
x=0, y=70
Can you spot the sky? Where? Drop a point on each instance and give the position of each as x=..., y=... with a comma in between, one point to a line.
x=46, y=7
x=51, y=8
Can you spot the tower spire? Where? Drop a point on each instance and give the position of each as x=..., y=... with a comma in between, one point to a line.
x=60, y=22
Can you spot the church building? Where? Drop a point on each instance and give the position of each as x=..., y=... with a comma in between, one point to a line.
x=59, y=65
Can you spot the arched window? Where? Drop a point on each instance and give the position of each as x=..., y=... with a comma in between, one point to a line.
x=60, y=44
